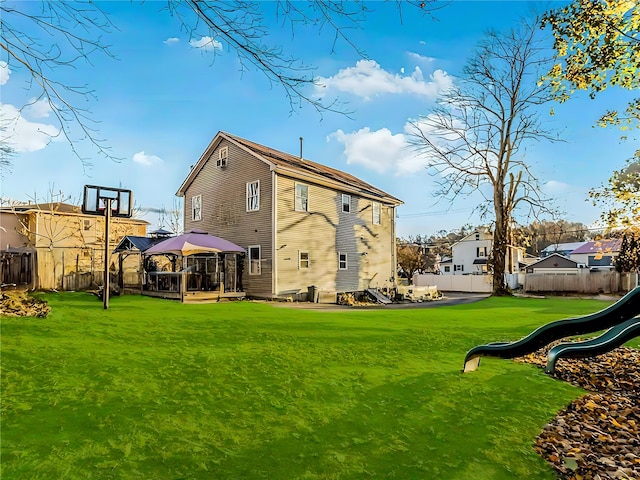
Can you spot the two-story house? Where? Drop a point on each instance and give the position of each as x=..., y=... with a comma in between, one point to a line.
x=43, y=243
x=302, y=224
x=469, y=256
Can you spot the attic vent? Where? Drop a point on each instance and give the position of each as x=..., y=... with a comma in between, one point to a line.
x=223, y=155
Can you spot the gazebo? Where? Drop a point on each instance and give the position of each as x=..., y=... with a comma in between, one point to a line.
x=198, y=267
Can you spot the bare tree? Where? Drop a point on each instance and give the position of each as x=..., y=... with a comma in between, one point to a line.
x=44, y=37
x=474, y=138
x=174, y=217
x=171, y=219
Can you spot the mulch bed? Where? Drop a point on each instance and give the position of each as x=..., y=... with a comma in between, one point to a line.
x=596, y=437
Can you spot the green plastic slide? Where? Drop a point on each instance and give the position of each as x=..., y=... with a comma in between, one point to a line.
x=623, y=310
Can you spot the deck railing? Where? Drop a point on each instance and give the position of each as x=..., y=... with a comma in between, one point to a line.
x=163, y=282
x=194, y=282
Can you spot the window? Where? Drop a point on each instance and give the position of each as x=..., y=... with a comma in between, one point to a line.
x=342, y=261
x=254, y=259
x=458, y=268
x=302, y=197
x=481, y=252
x=346, y=203
x=477, y=236
x=447, y=269
x=223, y=155
x=196, y=208
x=303, y=260
x=375, y=206
x=253, y=196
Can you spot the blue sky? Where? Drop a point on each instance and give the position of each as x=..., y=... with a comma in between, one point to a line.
x=164, y=97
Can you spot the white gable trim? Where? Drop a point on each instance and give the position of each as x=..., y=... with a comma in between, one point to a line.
x=207, y=154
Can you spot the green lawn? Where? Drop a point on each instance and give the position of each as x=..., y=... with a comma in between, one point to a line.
x=153, y=389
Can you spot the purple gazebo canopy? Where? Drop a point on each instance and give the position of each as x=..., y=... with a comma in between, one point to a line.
x=192, y=242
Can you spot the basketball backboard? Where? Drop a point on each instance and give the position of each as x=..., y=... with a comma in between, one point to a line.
x=96, y=197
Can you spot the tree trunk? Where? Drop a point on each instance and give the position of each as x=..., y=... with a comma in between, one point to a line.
x=499, y=257
x=500, y=243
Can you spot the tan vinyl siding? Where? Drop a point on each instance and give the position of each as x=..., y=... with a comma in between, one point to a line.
x=224, y=209
x=324, y=231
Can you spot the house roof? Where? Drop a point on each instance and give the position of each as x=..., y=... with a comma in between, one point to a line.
x=610, y=245
x=60, y=208
x=481, y=230
x=287, y=164
x=549, y=258
x=563, y=247
x=132, y=242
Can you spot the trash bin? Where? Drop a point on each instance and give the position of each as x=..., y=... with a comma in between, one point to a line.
x=312, y=294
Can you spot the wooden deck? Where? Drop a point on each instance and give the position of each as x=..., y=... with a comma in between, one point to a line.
x=175, y=286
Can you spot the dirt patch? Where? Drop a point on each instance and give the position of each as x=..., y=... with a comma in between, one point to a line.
x=596, y=437
x=20, y=304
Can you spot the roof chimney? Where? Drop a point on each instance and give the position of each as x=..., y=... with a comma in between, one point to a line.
x=300, y=148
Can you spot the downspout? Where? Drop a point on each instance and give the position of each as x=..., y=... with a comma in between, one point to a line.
x=274, y=233
x=394, y=262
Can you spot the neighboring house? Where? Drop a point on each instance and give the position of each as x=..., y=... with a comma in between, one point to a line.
x=470, y=255
x=56, y=240
x=445, y=266
x=564, y=249
x=555, y=263
x=598, y=254
x=302, y=224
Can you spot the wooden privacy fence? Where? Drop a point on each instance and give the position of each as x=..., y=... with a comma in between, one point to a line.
x=584, y=282
x=591, y=282
x=86, y=280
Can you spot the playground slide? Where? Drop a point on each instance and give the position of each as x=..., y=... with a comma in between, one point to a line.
x=624, y=309
x=612, y=338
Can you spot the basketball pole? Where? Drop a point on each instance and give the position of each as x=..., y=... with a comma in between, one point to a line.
x=107, y=217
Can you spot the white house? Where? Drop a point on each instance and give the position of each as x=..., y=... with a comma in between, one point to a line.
x=470, y=255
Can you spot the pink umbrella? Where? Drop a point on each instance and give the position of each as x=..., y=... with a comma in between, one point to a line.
x=195, y=241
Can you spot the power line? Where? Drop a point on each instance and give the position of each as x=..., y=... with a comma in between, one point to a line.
x=433, y=214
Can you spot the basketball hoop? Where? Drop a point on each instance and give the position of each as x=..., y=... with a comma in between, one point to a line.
x=95, y=198
x=107, y=202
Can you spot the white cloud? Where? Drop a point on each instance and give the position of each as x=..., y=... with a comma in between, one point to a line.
x=416, y=57
x=379, y=150
x=22, y=134
x=556, y=186
x=5, y=71
x=171, y=41
x=146, y=160
x=367, y=79
x=206, y=43
x=37, y=108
